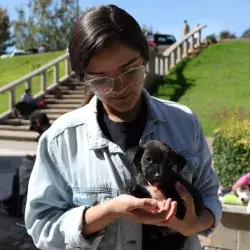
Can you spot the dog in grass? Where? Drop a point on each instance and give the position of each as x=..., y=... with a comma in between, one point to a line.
x=156, y=163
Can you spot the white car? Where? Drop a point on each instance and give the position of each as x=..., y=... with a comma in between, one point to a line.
x=16, y=52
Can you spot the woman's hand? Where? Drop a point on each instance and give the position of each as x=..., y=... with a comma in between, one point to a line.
x=146, y=211
x=187, y=226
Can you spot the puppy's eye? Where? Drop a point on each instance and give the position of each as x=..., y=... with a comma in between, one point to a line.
x=148, y=158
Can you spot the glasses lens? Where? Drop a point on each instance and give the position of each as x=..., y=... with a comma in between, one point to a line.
x=102, y=85
x=133, y=77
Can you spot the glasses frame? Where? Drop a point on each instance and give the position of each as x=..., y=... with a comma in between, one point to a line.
x=113, y=79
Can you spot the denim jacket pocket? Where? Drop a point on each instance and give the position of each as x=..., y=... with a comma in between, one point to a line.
x=91, y=198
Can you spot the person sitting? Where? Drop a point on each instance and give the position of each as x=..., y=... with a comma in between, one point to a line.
x=28, y=105
x=27, y=97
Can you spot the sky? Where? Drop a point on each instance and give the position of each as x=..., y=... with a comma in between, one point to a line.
x=167, y=16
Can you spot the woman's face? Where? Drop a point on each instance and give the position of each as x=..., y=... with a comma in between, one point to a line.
x=112, y=62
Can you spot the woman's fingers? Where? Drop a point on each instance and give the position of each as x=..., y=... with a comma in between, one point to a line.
x=165, y=210
x=171, y=213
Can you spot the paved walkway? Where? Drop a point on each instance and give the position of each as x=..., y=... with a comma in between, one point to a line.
x=10, y=148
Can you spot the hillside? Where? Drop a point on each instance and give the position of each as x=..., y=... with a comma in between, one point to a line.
x=16, y=67
x=213, y=84
x=13, y=68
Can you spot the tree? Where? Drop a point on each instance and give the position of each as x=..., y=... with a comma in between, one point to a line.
x=225, y=34
x=5, y=25
x=147, y=30
x=25, y=31
x=48, y=24
x=246, y=33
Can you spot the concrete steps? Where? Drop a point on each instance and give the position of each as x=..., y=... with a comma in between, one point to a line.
x=56, y=111
x=14, y=128
x=74, y=87
x=73, y=94
x=69, y=96
x=62, y=106
x=63, y=101
x=18, y=135
x=16, y=122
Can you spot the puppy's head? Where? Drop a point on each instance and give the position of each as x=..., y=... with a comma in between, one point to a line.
x=155, y=160
x=243, y=193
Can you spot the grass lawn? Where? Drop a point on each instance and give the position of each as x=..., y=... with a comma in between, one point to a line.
x=16, y=67
x=213, y=84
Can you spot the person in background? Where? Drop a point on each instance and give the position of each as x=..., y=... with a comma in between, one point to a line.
x=28, y=98
x=75, y=198
x=186, y=28
x=14, y=205
x=39, y=122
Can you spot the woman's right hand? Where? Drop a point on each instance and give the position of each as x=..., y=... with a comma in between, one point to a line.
x=145, y=210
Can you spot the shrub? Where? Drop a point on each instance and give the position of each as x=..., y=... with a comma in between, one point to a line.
x=225, y=34
x=246, y=33
x=231, y=150
x=211, y=38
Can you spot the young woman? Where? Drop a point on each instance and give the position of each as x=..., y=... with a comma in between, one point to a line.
x=74, y=198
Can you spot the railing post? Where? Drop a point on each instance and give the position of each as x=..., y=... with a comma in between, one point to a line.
x=12, y=98
x=199, y=38
x=67, y=66
x=29, y=84
x=184, y=48
x=168, y=63
x=174, y=57
x=56, y=73
x=163, y=65
x=179, y=53
x=43, y=81
x=192, y=43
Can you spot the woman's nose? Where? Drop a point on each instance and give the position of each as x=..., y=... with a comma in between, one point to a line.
x=119, y=87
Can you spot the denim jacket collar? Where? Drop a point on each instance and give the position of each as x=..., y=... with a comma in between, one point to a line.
x=97, y=139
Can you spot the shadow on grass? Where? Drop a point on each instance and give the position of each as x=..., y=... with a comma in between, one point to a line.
x=173, y=86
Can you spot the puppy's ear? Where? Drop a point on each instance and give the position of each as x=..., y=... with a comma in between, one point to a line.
x=178, y=160
x=137, y=158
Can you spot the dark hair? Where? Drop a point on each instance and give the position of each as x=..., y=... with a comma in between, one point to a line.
x=27, y=90
x=40, y=116
x=98, y=27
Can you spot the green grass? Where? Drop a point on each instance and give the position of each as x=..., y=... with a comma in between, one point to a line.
x=213, y=84
x=16, y=67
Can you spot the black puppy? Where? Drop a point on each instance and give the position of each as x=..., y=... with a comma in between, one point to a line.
x=156, y=164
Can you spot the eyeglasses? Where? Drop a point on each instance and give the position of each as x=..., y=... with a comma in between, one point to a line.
x=104, y=85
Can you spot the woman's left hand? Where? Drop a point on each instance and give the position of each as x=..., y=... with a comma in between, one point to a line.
x=187, y=226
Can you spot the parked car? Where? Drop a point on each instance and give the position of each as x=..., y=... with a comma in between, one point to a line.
x=160, y=39
x=32, y=50
x=16, y=52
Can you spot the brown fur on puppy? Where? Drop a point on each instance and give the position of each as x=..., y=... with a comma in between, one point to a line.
x=155, y=163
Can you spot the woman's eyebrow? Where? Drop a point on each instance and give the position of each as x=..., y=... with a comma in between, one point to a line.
x=122, y=66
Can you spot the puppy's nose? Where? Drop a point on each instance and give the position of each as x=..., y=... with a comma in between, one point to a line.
x=157, y=174
x=242, y=199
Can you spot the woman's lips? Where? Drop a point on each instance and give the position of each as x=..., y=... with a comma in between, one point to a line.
x=121, y=97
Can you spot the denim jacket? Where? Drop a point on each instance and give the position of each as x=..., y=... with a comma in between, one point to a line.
x=77, y=167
